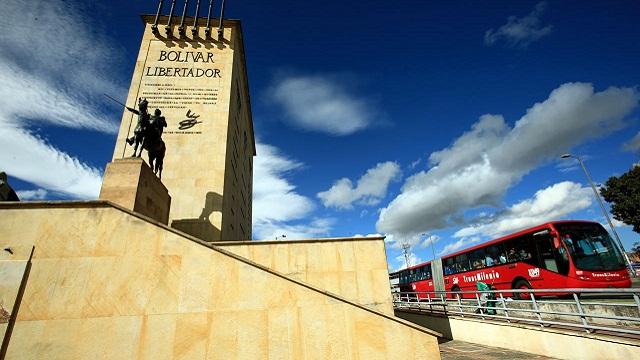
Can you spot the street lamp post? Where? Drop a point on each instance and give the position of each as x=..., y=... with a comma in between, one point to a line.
x=433, y=247
x=433, y=251
x=281, y=236
x=604, y=210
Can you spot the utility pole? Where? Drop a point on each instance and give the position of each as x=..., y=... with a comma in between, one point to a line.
x=406, y=247
x=604, y=210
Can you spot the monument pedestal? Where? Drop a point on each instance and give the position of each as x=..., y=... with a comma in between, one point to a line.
x=132, y=184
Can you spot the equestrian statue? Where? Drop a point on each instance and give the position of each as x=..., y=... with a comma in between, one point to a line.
x=148, y=134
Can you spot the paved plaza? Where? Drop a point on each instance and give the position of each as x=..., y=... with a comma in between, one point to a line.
x=460, y=350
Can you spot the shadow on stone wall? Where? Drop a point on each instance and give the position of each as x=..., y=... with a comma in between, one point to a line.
x=202, y=227
x=174, y=42
x=437, y=323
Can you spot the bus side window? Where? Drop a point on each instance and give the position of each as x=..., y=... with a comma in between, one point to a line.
x=462, y=263
x=477, y=259
x=528, y=252
x=521, y=249
x=495, y=255
x=512, y=249
x=449, y=267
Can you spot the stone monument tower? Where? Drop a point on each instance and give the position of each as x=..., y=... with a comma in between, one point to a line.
x=109, y=279
x=199, y=82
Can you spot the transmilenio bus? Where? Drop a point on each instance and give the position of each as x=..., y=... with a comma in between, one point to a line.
x=559, y=254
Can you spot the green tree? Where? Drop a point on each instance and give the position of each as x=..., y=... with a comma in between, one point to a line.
x=623, y=193
x=636, y=248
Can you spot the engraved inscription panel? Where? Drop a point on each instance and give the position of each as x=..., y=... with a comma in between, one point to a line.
x=184, y=82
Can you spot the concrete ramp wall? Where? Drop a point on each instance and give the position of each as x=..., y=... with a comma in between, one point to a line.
x=555, y=343
x=108, y=284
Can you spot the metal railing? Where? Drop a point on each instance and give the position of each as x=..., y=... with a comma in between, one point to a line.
x=607, y=311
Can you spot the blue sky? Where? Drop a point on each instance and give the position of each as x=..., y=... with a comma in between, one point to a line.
x=409, y=119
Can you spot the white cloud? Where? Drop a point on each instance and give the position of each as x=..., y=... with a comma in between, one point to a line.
x=32, y=159
x=394, y=245
x=415, y=163
x=368, y=235
x=479, y=167
x=462, y=243
x=520, y=31
x=370, y=189
x=421, y=241
x=25, y=98
x=322, y=104
x=276, y=204
x=44, y=82
x=57, y=41
x=551, y=203
x=429, y=240
x=633, y=144
x=26, y=195
x=270, y=230
x=616, y=223
x=274, y=197
x=402, y=262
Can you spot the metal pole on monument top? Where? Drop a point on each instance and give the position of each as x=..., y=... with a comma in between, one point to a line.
x=154, y=27
x=181, y=29
x=194, y=28
x=220, y=30
x=207, y=30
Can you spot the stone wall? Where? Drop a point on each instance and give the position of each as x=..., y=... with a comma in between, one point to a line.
x=353, y=268
x=238, y=177
x=132, y=184
x=108, y=284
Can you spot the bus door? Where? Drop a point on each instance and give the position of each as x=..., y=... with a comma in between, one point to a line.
x=550, y=257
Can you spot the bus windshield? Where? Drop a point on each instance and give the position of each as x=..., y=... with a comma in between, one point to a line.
x=591, y=247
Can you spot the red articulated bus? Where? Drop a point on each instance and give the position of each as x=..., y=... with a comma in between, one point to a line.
x=559, y=254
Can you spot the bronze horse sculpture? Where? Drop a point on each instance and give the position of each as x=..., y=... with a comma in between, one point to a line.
x=148, y=136
x=154, y=144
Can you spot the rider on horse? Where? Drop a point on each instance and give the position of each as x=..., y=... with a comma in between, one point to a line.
x=153, y=142
x=148, y=134
x=142, y=126
x=158, y=121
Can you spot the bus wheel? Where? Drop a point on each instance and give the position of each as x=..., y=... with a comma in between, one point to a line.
x=522, y=285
